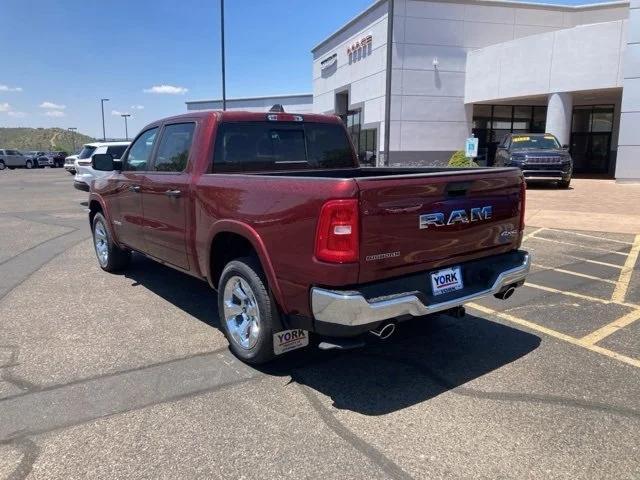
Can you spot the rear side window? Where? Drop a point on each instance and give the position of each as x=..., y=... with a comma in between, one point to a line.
x=256, y=146
x=174, y=147
x=86, y=152
x=116, y=151
x=140, y=151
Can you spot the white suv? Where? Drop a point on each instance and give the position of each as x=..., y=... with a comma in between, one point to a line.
x=85, y=174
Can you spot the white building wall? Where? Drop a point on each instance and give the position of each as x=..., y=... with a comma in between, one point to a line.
x=586, y=57
x=628, y=158
x=298, y=103
x=428, y=113
x=362, y=74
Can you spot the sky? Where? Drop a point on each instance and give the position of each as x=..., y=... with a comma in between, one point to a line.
x=58, y=58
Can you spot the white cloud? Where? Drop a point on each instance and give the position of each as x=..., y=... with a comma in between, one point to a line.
x=17, y=114
x=118, y=112
x=54, y=113
x=5, y=107
x=6, y=88
x=53, y=106
x=166, y=89
x=137, y=107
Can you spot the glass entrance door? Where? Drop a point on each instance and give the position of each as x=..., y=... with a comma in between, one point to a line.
x=591, y=138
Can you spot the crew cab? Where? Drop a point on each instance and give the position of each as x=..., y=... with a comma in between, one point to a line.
x=274, y=211
x=538, y=155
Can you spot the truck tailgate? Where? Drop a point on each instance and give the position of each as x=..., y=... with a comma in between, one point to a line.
x=396, y=241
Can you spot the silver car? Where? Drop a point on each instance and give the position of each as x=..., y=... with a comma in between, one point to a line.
x=14, y=159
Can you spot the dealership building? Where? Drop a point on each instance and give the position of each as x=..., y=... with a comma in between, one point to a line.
x=416, y=87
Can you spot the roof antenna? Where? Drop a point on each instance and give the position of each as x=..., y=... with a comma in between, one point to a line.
x=277, y=108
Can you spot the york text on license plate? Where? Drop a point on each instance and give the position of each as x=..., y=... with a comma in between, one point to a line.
x=447, y=280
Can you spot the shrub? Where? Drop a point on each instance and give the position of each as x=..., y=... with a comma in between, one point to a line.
x=459, y=160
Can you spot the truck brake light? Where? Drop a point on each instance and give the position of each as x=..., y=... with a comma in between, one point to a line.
x=337, y=236
x=523, y=201
x=284, y=117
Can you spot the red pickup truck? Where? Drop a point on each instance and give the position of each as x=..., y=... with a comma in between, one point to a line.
x=273, y=210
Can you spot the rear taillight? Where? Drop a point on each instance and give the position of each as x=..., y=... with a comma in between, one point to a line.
x=337, y=237
x=523, y=198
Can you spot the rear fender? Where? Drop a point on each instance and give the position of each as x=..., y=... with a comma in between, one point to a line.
x=244, y=230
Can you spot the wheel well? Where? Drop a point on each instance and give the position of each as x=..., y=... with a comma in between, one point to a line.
x=94, y=207
x=227, y=246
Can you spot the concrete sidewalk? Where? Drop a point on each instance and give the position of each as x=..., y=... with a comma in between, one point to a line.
x=595, y=205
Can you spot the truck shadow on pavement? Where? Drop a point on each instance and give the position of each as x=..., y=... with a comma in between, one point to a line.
x=425, y=358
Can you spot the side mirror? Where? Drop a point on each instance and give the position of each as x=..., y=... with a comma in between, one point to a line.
x=104, y=162
x=565, y=147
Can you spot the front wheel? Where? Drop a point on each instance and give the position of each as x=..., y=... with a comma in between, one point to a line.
x=246, y=310
x=28, y=164
x=564, y=184
x=110, y=257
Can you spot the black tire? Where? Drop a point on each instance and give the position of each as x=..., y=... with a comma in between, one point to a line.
x=2, y=165
x=564, y=184
x=28, y=164
x=249, y=270
x=116, y=259
x=11, y=168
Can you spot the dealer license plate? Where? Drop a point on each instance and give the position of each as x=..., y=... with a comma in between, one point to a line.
x=447, y=280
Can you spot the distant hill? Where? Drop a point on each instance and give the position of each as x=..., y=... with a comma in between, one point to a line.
x=41, y=139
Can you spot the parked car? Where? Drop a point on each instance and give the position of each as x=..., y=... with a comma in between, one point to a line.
x=84, y=172
x=59, y=158
x=275, y=213
x=538, y=155
x=14, y=159
x=39, y=158
x=69, y=163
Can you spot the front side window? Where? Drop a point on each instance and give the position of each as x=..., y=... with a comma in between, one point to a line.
x=256, y=146
x=116, y=151
x=174, y=147
x=86, y=152
x=140, y=151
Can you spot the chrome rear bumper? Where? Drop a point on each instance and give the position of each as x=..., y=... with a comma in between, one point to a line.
x=352, y=309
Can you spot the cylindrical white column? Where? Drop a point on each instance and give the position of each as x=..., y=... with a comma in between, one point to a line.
x=559, y=111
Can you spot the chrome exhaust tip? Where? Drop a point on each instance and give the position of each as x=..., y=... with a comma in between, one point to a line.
x=506, y=293
x=384, y=331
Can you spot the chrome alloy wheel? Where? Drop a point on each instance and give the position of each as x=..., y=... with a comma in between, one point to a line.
x=241, y=313
x=100, y=243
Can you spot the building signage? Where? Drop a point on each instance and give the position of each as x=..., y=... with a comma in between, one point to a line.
x=471, y=147
x=329, y=61
x=358, y=44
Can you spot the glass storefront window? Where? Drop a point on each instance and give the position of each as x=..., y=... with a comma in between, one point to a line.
x=581, y=119
x=539, y=122
x=481, y=116
x=502, y=117
x=522, y=119
x=602, y=119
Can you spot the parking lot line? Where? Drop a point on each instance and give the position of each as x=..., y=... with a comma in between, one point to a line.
x=613, y=327
x=553, y=333
x=586, y=235
x=622, y=285
x=576, y=274
x=532, y=234
x=581, y=246
x=596, y=262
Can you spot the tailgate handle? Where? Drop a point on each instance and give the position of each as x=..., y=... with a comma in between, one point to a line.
x=458, y=189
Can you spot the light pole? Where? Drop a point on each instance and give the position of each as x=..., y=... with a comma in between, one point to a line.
x=73, y=138
x=126, y=129
x=104, y=135
x=224, y=89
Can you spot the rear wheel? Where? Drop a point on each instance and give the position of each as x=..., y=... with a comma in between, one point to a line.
x=2, y=166
x=246, y=310
x=110, y=257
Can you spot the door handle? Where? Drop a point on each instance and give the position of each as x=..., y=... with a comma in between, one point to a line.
x=173, y=193
x=134, y=188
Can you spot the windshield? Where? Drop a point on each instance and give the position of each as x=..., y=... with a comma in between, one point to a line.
x=539, y=142
x=86, y=152
x=255, y=146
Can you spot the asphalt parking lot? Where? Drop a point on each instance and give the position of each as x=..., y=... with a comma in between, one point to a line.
x=129, y=376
